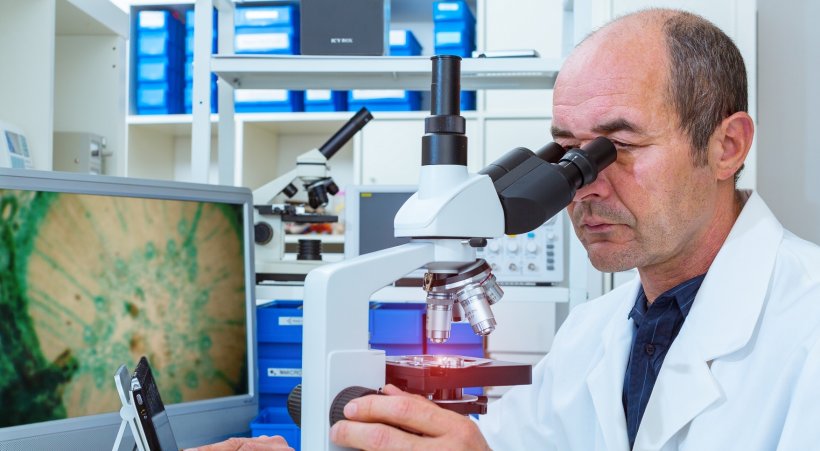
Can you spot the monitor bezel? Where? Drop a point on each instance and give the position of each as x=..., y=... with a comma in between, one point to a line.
x=32, y=180
x=353, y=212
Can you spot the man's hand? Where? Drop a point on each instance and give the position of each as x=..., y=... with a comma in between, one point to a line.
x=404, y=421
x=263, y=443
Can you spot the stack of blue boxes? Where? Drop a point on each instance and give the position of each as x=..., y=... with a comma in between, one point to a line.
x=398, y=329
x=402, y=43
x=158, y=62
x=325, y=100
x=272, y=30
x=189, y=62
x=454, y=34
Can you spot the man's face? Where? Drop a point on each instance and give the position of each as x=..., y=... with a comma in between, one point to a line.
x=652, y=205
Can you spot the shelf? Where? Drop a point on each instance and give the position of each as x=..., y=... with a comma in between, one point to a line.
x=379, y=72
x=90, y=17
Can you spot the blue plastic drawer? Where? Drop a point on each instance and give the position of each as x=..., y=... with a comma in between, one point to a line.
x=269, y=41
x=279, y=322
x=269, y=100
x=452, y=10
x=272, y=400
x=158, y=33
x=266, y=16
x=384, y=100
x=279, y=376
x=467, y=100
x=404, y=43
x=156, y=69
x=325, y=100
x=397, y=323
x=154, y=20
x=158, y=98
x=276, y=421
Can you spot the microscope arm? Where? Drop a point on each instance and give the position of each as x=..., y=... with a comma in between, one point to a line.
x=335, y=335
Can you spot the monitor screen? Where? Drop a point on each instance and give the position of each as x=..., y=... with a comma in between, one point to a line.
x=99, y=271
x=369, y=214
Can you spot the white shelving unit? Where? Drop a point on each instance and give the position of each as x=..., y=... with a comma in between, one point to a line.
x=64, y=70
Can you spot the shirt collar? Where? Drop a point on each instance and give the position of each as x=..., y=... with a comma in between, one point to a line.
x=683, y=294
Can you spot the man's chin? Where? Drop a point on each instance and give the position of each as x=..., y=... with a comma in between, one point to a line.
x=610, y=262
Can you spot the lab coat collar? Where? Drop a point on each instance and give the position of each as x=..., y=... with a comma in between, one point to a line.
x=605, y=381
x=722, y=320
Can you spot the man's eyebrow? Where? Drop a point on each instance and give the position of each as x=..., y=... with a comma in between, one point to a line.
x=560, y=133
x=617, y=125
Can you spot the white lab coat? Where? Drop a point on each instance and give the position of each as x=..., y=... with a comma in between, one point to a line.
x=742, y=374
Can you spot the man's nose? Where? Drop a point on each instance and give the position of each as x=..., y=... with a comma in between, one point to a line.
x=600, y=188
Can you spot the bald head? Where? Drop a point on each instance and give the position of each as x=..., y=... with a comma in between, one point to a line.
x=695, y=66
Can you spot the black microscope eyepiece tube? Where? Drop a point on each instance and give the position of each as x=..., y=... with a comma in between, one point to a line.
x=343, y=135
x=446, y=87
x=444, y=142
x=551, y=153
x=589, y=160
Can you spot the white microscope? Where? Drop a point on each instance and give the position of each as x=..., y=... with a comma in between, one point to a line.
x=452, y=213
x=271, y=212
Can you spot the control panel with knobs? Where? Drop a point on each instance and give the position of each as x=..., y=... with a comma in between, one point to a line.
x=534, y=258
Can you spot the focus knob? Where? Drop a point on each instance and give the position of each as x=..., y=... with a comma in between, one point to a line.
x=295, y=405
x=262, y=233
x=345, y=396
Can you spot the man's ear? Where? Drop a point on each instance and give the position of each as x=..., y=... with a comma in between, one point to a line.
x=734, y=139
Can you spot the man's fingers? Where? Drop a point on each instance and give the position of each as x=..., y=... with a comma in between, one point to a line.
x=392, y=390
x=412, y=413
x=372, y=436
x=265, y=443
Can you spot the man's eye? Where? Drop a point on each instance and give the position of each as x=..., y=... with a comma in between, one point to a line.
x=621, y=145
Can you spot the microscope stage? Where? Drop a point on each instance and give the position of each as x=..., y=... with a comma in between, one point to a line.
x=424, y=374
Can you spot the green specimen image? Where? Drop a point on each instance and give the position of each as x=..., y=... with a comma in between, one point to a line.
x=91, y=282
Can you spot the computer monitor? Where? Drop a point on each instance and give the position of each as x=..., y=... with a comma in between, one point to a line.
x=369, y=214
x=97, y=271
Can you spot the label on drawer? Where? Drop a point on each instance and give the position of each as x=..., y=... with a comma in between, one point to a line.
x=448, y=6
x=263, y=41
x=290, y=320
x=257, y=14
x=284, y=372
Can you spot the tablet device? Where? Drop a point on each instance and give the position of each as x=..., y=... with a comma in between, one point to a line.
x=153, y=420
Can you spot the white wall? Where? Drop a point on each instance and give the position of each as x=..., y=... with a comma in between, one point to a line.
x=789, y=95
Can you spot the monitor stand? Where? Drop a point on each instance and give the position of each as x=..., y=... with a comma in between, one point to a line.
x=128, y=412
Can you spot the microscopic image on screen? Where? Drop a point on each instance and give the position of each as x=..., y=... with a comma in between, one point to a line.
x=91, y=282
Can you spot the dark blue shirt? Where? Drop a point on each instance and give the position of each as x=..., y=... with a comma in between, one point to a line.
x=656, y=327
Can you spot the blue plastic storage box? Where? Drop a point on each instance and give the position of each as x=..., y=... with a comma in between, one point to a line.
x=276, y=421
x=398, y=329
x=452, y=11
x=325, y=100
x=156, y=69
x=158, y=98
x=269, y=100
x=384, y=100
x=404, y=43
x=266, y=41
x=267, y=29
x=267, y=16
x=158, y=33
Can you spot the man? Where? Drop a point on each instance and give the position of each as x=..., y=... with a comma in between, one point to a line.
x=716, y=345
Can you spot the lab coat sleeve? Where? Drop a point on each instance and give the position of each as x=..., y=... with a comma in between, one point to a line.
x=800, y=429
x=516, y=421
x=525, y=417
